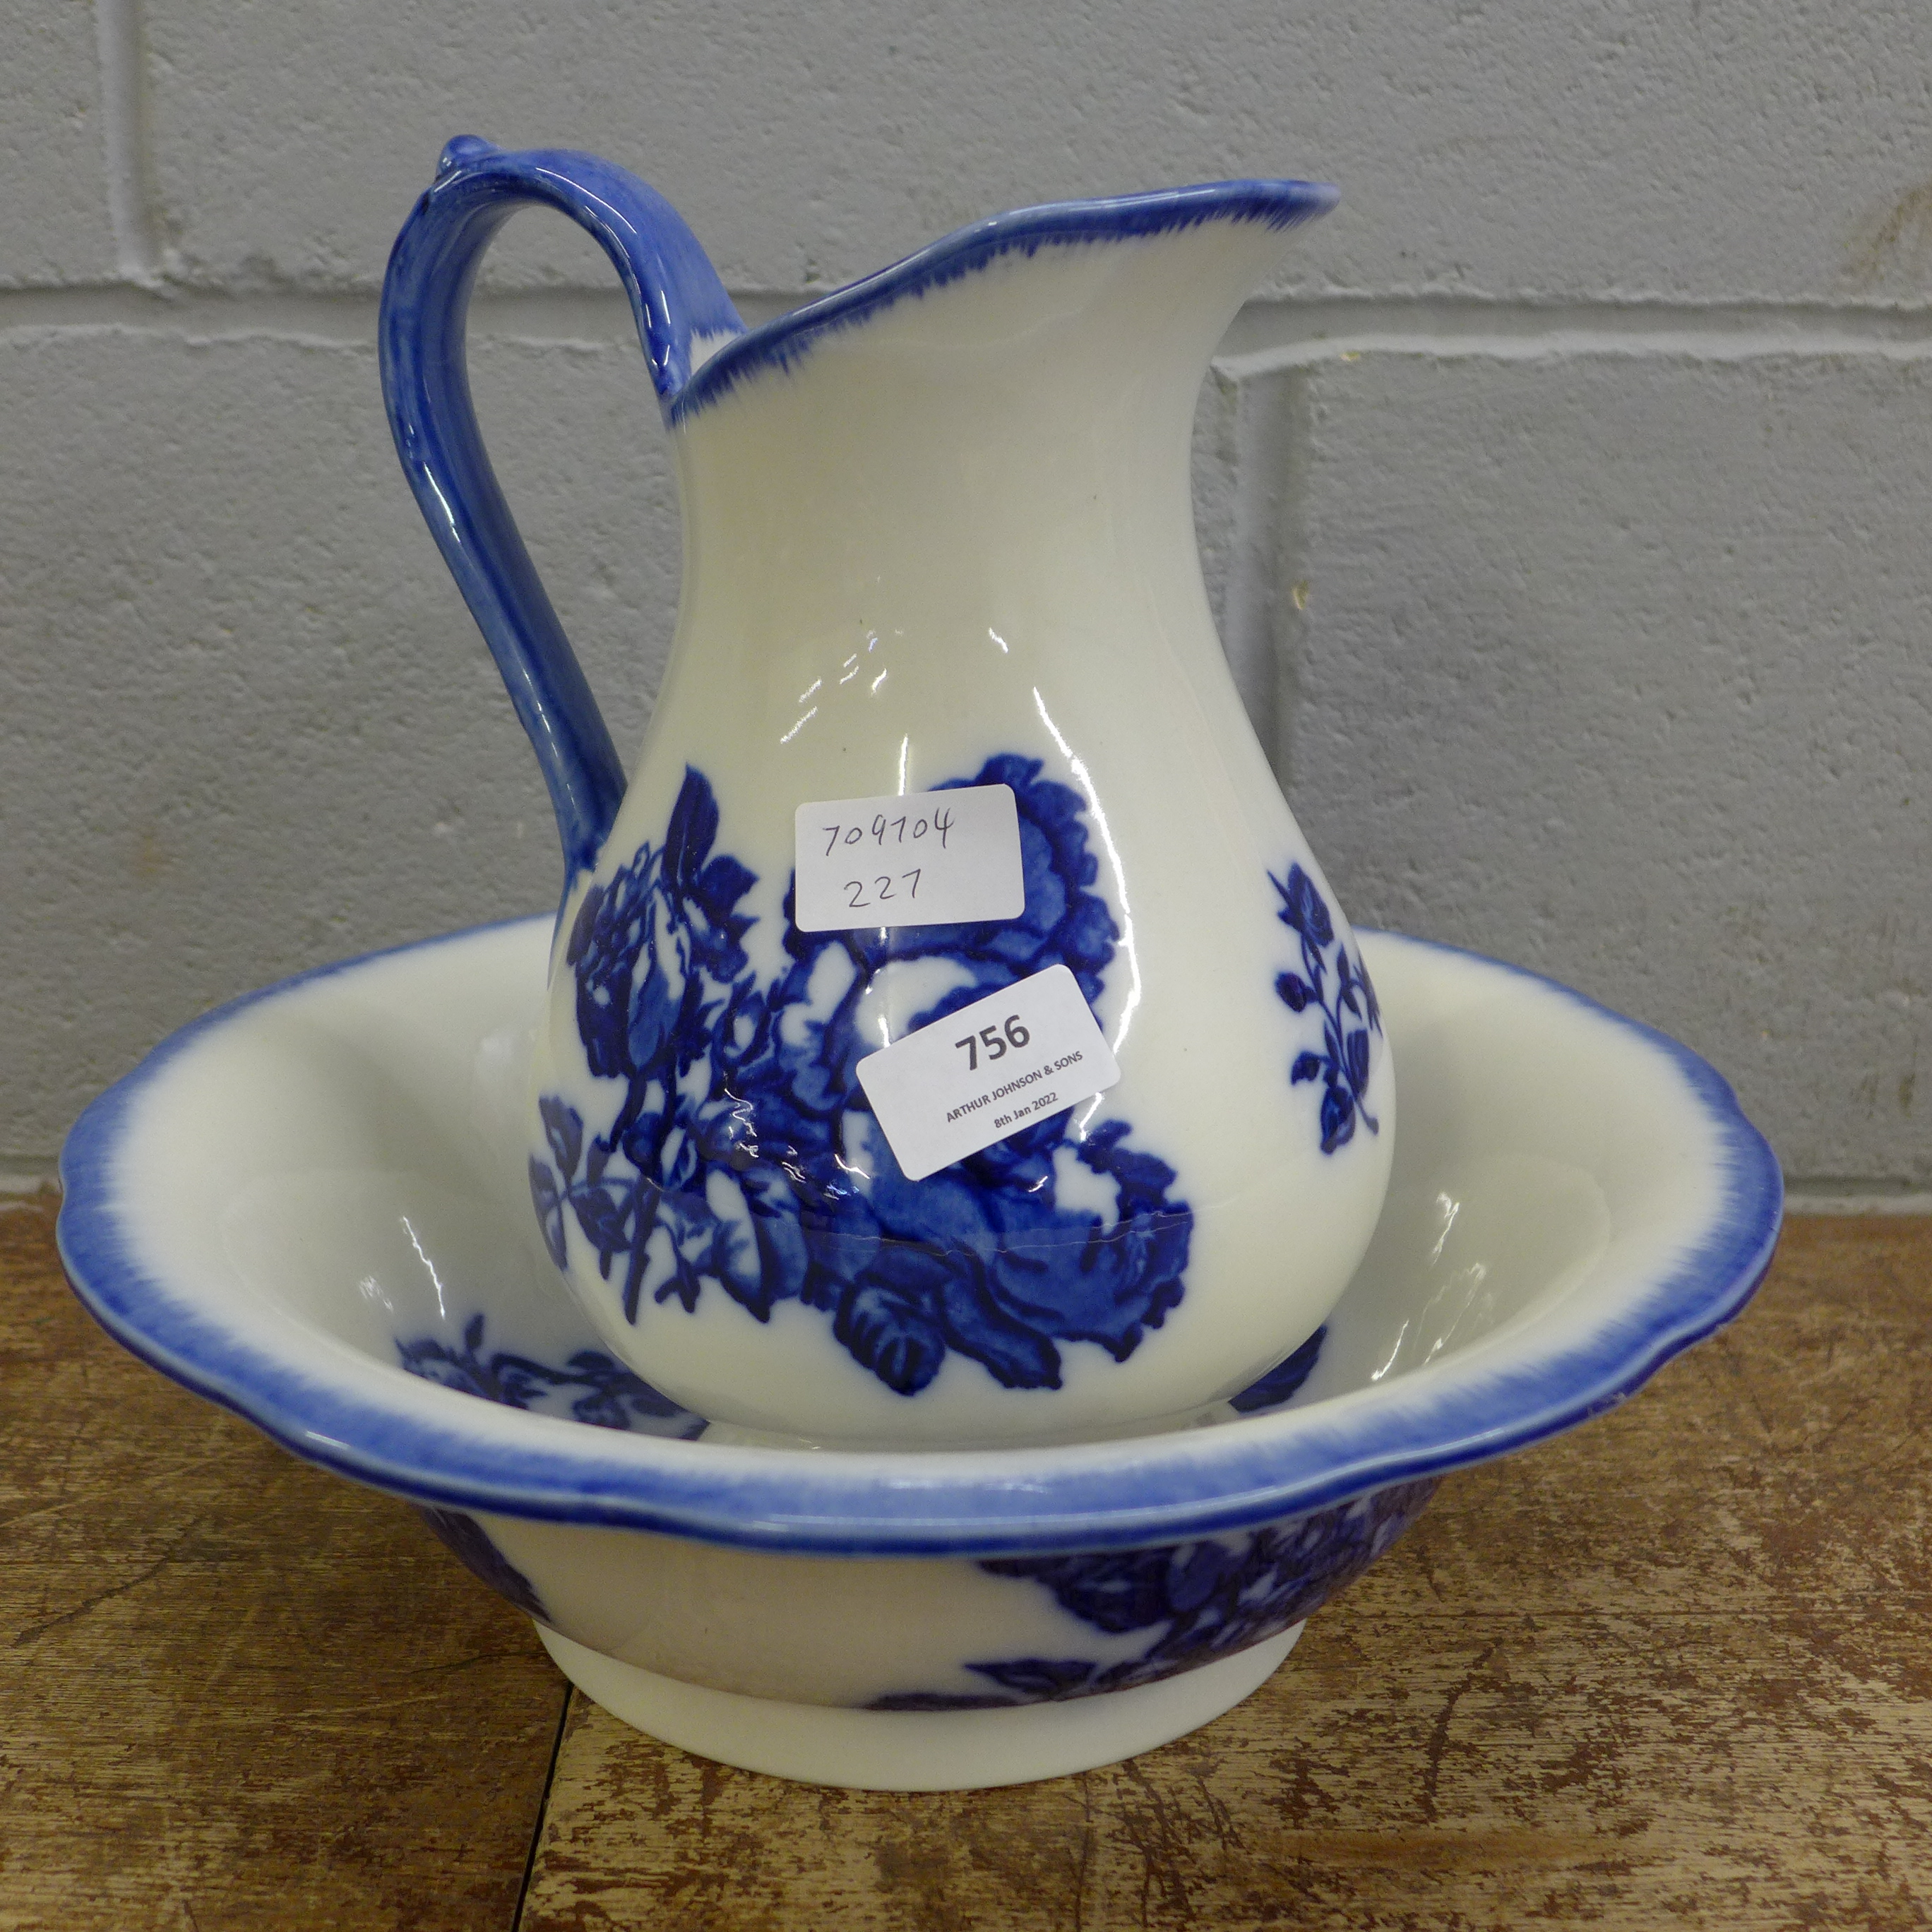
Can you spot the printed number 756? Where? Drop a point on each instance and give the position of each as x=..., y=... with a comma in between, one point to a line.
x=1014, y=1035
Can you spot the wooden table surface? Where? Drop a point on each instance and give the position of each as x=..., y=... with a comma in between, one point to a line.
x=1675, y=1669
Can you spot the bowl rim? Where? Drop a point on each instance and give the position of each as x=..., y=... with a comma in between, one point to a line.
x=434, y=1445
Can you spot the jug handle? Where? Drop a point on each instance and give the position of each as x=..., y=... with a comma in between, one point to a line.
x=676, y=297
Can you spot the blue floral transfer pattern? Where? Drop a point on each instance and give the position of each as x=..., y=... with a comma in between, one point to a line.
x=1205, y=1600
x=598, y=1390
x=743, y=1155
x=1349, y=1014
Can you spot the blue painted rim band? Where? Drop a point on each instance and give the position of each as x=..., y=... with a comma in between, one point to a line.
x=780, y=343
x=431, y=1445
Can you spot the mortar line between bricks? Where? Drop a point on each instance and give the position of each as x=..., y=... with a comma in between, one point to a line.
x=1282, y=333
x=334, y=318
x=1271, y=334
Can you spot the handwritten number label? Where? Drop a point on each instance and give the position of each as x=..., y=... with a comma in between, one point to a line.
x=1001, y=1064
x=907, y=829
x=932, y=858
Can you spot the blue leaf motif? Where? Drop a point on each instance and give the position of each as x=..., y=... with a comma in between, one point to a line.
x=604, y=1213
x=724, y=882
x=563, y=1129
x=1343, y=1065
x=548, y=1199
x=653, y=1021
x=1306, y=911
x=1356, y=1058
x=889, y=1335
x=602, y=947
x=1014, y=1351
x=688, y=839
x=1295, y=991
x=1338, y=1117
x=1194, y=1572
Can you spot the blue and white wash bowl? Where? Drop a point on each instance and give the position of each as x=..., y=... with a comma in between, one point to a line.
x=305, y=1207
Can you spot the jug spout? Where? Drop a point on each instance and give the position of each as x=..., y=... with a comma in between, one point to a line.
x=1126, y=272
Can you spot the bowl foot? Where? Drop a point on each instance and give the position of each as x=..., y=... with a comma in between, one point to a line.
x=923, y=1751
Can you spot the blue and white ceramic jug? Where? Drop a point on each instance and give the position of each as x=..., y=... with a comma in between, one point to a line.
x=940, y=586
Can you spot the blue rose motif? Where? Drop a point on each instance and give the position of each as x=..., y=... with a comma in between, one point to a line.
x=744, y=1155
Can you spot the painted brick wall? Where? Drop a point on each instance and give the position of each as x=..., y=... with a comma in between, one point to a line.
x=1564, y=506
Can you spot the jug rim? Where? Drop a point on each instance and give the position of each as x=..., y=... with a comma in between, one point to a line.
x=782, y=341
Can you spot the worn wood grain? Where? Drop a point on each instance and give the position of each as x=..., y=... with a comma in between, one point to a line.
x=1675, y=1669
x=234, y=1692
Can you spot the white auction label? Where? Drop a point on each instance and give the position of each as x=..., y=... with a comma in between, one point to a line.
x=987, y=1071
x=921, y=858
